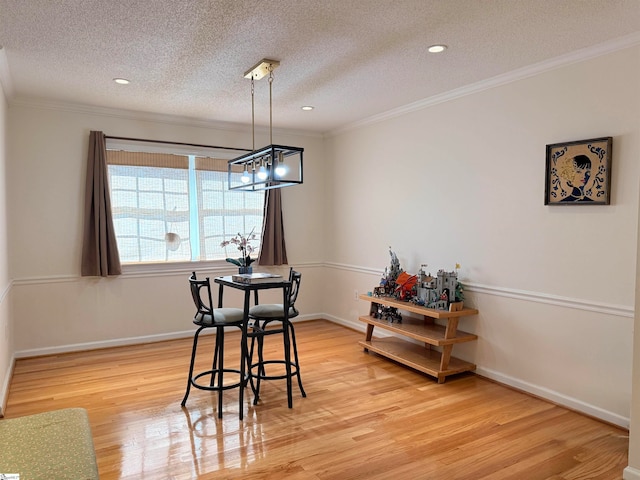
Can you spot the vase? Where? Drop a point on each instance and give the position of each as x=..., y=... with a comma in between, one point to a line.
x=244, y=270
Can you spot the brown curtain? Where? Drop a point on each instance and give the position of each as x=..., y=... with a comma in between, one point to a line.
x=273, y=250
x=100, y=256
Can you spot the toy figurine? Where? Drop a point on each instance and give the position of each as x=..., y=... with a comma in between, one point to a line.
x=388, y=281
x=388, y=313
x=405, y=284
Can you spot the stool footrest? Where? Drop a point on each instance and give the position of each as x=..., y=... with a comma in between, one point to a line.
x=294, y=370
x=216, y=388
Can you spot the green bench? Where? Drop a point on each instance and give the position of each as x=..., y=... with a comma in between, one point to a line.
x=47, y=446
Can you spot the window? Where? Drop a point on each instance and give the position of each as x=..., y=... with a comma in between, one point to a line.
x=156, y=192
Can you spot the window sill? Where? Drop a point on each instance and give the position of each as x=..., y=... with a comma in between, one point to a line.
x=215, y=267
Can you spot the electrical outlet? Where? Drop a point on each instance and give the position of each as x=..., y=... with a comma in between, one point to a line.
x=355, y=294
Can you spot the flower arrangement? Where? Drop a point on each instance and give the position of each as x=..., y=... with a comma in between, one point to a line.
x=243, y=243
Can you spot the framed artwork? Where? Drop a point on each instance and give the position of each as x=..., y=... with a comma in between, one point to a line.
x=578, y=173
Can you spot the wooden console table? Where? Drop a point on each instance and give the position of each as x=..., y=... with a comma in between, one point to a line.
x=422, y=358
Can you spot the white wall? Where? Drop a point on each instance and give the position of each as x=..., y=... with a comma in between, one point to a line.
x=6, y=342
x=56, y=309
x=463, y=181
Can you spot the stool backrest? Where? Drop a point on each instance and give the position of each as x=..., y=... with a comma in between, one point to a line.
x=203, y=305
x=294, y=278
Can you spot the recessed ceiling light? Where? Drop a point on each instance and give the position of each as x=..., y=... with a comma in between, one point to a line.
x=437, y=48
x=121, y=81
x=307, y=108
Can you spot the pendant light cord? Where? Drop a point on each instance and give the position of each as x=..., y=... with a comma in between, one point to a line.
x=253, y=117
x=270, y=105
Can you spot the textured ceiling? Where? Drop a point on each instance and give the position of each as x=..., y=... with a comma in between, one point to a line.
x=351, y=59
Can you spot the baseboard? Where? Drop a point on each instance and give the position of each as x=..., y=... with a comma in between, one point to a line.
x=359, y=326
x=4, y=391
x=119, y=342
x=555, y=397
x=631, y=473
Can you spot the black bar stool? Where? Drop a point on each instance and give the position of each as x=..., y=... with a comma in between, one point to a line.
x=262, y=316
x=218, y=318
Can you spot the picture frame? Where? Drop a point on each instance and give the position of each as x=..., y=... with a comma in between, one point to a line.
x=578, y=172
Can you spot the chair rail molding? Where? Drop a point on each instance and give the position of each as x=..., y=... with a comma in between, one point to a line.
x=546, y=298
x=215, y=268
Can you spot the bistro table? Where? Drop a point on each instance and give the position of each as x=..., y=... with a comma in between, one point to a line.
x=247, y=288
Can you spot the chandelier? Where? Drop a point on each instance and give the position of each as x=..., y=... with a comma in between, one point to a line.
x=273, y=166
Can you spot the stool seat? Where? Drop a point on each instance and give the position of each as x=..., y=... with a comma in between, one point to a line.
x=270, y=311
x=226, y=316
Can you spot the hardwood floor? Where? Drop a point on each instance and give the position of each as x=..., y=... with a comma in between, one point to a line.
x=364, y=418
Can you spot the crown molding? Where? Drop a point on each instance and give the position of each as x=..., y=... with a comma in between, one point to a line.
x=584, y=54
x=48, y=104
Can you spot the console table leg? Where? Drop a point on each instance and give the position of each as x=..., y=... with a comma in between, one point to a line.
x=450, y=332
x=452, y=328
x=446, y=356
x=369, y=335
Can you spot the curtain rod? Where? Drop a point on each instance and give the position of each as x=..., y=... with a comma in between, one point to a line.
x=175, y=143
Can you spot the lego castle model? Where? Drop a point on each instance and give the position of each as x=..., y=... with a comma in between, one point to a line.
x=436, y=292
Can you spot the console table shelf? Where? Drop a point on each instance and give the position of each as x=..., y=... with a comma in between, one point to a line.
x=439, y=364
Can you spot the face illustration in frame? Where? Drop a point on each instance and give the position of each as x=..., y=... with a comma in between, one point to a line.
x=578, y=172
x=575, y=175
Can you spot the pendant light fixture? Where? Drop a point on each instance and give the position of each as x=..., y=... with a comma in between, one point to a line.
x=273, y=166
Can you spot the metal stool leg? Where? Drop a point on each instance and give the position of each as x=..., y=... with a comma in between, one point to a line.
x=287, y=363
x=214, y=366
x=244, y=361
x=220, y=336
x=291, y=366
x=193, y=360
x=261, y=369
x=295, y=356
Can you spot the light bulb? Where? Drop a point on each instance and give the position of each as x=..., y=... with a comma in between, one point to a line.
x=262, y=173
x=245, y=178
x=281, y=170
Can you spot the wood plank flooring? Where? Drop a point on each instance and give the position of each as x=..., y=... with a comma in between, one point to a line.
x=364, y=418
